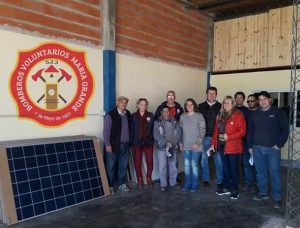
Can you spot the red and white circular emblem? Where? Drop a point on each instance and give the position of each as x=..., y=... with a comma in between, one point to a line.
x=51, y=84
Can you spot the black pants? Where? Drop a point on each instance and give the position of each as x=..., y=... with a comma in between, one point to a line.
x=230, y=164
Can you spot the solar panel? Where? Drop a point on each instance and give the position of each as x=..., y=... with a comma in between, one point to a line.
x=48, y=176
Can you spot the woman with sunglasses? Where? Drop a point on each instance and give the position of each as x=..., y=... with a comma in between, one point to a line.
x=229, y=130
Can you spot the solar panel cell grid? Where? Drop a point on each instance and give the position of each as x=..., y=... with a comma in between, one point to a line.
x=53, y=176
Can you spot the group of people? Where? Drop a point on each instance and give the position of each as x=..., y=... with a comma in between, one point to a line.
x=224, y=131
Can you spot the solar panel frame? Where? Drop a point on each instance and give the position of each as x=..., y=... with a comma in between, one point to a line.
x=44, y=186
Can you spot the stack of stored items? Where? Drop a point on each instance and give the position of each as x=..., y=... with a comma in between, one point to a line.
x=131, y=173
x=44, y=175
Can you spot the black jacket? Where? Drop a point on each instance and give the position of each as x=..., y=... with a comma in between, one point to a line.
x=268, y=128
x=116, y=128
x=179, y=110
x=135, y=129
x=210, y=113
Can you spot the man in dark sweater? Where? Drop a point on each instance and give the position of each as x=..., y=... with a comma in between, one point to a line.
x=252, y=101
x=239, y=98
x=175, y=108
x=116, y=140
x=210, y=109
x=249, y=170
x=268, y=131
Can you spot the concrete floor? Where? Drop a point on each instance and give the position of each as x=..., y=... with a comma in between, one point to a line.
x=174, y=208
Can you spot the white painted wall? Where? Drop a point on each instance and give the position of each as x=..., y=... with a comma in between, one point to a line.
x=271, y=81
x=140, y=77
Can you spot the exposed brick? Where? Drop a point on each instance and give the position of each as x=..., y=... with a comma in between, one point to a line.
x=123, y=40
x=153, y=17
x=126, y=49
x=157, y=40
x=46, y=19
x=92, y=2
x=156, y=29
x=77, y=6
x=171, y=32
x=49, y=32
x=72, y=16
x=162, y=8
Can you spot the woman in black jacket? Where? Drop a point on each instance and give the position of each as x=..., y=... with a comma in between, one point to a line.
x=142, y=140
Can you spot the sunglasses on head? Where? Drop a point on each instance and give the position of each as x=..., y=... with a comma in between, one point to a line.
x=250, y=101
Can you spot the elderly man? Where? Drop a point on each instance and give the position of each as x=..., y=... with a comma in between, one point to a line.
x=116, y=140
x=268, y=131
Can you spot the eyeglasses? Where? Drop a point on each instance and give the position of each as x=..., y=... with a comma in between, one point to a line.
x=170, y=96
x=250, y=101
x=227, y=102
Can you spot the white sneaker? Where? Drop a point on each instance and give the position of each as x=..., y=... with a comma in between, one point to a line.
x=112, y=190
x=124, y=188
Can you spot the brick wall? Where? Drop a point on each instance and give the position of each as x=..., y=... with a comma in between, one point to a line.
x=71, y=19
x=160, y=29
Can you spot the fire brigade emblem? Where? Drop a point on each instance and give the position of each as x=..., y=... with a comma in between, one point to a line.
x=51, y=84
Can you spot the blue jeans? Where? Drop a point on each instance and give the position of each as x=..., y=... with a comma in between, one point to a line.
x=267, y=159
x=231, y=170
x=217, y=161
x=191, y=169
x=116, y=164
x=249, y=170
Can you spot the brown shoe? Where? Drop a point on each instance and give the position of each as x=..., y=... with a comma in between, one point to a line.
x=149, y=182
x=140, y=183
x=112, y=190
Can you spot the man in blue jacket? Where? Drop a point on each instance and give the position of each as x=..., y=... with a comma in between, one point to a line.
x=267, y=133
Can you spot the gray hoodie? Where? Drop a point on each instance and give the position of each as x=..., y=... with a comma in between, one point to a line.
x=167, y=131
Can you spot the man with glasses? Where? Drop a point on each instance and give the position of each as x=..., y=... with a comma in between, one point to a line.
x=248, y=169
x=252, y=102
x=268, y=131
x=174, y=107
